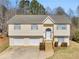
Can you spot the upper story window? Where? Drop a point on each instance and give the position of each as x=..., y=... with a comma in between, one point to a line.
x=34, y=27
x=17, y=26
x=61, y=27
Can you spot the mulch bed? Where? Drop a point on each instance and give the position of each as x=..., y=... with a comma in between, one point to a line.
x=4, y=43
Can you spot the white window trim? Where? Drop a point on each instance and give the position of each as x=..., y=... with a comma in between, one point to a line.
x=34, y=27
x=17, y=27
x=61, y=27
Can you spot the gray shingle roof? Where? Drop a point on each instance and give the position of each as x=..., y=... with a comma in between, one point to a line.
x=37, y=19
x=61, y=19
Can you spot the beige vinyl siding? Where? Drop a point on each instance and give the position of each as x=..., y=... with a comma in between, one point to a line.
x=25, y=30
x=65, y=32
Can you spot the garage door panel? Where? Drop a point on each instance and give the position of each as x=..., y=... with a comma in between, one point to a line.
x=17, y=42
x=25, y=42
x=33, y=41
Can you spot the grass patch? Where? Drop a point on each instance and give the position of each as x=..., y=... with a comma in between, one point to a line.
x=71, y=52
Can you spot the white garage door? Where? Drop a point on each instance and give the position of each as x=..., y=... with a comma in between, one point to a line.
x=24, y=42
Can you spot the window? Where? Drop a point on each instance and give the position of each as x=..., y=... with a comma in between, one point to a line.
x=17, y=27
x=34, y=27
x=61, y=27
x=61, y=39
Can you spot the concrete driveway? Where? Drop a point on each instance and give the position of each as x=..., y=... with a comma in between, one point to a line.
x=23, y=53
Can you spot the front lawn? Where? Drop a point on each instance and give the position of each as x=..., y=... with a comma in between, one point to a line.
x=71, y=52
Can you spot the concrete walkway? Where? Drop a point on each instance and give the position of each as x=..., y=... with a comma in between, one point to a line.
x=24, y=53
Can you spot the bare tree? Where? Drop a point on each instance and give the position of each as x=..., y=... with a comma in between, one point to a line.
x=4, y=6
x=77, y=10
x=71, y=13
x=49, y=11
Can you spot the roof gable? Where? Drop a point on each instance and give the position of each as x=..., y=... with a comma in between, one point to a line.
x=48, y=20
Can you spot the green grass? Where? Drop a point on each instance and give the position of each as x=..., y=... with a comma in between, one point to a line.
x=71, y=52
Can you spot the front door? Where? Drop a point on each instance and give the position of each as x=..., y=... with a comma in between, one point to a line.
x=48, y=34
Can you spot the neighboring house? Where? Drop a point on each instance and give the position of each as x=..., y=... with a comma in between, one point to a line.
x=31, y=30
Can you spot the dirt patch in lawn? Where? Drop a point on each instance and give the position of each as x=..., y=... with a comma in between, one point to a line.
x=71, y=52
x=4, y=43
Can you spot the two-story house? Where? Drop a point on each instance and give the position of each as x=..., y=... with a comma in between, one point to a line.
x=31, y=30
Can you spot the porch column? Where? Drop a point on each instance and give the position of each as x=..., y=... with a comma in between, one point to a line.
x=44, y=34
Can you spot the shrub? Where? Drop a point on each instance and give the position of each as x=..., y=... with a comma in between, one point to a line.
x=76, y=36
x=56, y=44
x=64, y=44
x=42, y=46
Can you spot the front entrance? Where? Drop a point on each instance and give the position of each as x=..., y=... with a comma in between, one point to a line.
x=48, y=34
